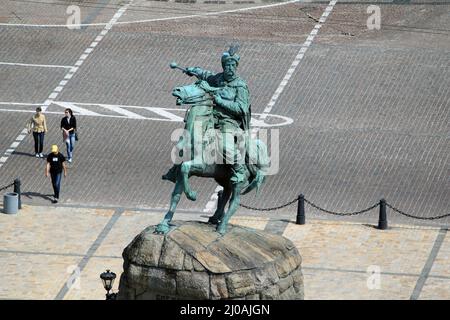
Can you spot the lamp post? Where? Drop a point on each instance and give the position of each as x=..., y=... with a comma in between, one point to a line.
x=108, y=281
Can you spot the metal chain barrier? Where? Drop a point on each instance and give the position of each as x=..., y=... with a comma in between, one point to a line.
x=6, y=187
x=341, y=213
x=416, y=217
x=270, y=209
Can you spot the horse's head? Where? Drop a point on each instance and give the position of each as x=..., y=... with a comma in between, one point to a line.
x=196, y=93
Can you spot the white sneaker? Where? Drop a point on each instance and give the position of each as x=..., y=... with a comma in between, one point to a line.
x=41, y=155
x=70, y=160
x=37, y=155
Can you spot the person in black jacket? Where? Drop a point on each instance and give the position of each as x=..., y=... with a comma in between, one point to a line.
x=55, y=167
x=69, y=127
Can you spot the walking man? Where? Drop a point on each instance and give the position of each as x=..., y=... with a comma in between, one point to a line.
x=55, y=166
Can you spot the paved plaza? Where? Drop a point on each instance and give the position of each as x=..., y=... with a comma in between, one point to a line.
x=360, y=114
x=62, y=251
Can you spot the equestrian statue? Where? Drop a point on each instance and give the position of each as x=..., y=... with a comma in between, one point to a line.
x=216, y=142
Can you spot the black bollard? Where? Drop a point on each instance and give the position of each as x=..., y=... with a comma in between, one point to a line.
x=17, y=190
x=382, y=220
x=301, y=210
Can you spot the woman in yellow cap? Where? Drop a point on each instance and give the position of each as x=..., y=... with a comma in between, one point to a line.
x=55, y=166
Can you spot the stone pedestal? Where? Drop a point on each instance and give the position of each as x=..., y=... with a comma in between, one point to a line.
x=193, y=261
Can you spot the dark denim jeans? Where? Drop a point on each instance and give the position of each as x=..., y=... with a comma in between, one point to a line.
x=38, y=141
x=56, y=183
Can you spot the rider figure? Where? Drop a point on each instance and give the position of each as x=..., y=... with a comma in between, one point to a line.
x=231, y=111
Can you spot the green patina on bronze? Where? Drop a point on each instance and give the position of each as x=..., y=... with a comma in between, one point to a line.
x=218, y=115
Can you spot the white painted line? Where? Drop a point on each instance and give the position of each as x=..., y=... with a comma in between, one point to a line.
x=76, y=109
x=211, y=205
x=20, y=104
x=72, y=70
x=165, y=114
x=47, y=103
x=52, y=96
x=14, y=145
x=62, y=112
x=63, y=83
x=34, y=65
x=3, y=159
x=200, y=15
x=278, y=119
x=120, y=110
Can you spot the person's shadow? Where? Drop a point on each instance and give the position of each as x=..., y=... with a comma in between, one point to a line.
x=24, y=154
x=30, y=195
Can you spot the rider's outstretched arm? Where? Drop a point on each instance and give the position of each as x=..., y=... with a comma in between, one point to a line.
x=199, y=73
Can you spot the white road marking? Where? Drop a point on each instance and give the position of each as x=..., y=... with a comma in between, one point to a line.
x=123, y=111
x=214, y=13
x=167, y=114
x=72, y=70
x=20, y=104
x=212, y=203
x=76, y=109
x=34, y=65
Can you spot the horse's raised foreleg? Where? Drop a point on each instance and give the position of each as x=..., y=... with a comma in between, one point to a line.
x=234, y=204
x=163, y=226
x=223, y=197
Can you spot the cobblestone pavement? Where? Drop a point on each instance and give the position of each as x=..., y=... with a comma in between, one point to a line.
x=364, y=116
x=368, y=110
x=58, y=252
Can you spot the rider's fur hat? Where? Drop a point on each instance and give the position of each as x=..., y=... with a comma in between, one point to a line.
x=231, y=55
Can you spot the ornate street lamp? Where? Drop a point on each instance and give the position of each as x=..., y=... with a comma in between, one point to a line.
x=108, y=281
